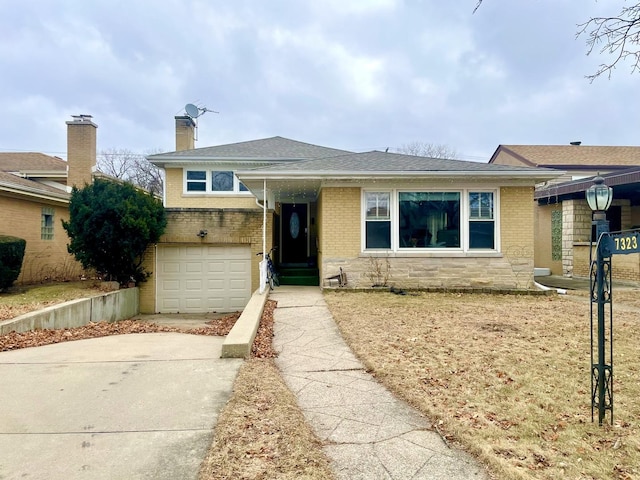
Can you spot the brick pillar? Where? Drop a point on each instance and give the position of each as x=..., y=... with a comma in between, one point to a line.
x=576, y=227
x=185, y=133
x=81, y=150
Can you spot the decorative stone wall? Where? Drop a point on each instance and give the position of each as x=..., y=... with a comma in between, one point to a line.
x=499, y=272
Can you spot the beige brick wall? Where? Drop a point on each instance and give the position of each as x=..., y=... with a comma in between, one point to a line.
x=341, y=247
x=175, y=197
x=517, y=230
x=185, y=133
x=81, y=152
x=224, y=227
x=623, y=267
x=340, y=213
x=44, y=259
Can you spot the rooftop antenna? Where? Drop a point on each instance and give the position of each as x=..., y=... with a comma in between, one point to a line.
x=194, y=112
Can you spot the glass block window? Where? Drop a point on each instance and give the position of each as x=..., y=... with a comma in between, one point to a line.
x=46, y=224
x=556, y=235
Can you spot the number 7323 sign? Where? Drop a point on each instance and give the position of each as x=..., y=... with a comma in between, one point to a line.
x=624, y=242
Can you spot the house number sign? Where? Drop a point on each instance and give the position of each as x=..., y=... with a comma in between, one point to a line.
x=624, y=242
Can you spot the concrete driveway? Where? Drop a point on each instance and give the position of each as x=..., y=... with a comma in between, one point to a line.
x=137, y=406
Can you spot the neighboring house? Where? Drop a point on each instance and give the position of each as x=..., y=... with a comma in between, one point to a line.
x=415, y=222
x=563, y=219
x=34, y=199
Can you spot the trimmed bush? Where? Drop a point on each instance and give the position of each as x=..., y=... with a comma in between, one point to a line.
x=11, y=256
x=111, y=225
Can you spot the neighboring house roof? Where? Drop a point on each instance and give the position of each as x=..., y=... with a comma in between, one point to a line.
x=266, y=150
x=18, y=170
x=23, y=186
x=569, y=157
x=30, y=161
x=624, y=183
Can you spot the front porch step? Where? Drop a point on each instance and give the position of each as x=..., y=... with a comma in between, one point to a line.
x=299, y=276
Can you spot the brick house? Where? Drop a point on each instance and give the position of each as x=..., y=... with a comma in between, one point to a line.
x=431, y=222
x=34, y=199
x=563, y=219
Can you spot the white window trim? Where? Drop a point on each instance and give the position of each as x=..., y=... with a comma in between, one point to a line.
x=208, y=191
x=464, y=224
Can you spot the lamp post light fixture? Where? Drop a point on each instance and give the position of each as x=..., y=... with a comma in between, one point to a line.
x=599, y=198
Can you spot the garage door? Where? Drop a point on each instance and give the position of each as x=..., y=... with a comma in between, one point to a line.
x=195, y=279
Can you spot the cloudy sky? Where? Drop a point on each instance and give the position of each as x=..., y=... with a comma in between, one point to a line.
x=352, y=74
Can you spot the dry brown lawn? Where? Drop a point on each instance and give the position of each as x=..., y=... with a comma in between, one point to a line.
x=505, y=376
x=27, y=298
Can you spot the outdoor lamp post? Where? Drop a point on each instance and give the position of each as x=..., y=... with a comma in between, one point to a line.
x=599, y=198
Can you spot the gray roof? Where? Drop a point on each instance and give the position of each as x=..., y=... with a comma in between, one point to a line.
x=382, y=162
x=8, y=181
x=30, y=161
x=274, y=148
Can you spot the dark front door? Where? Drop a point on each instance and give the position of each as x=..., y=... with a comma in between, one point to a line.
x=294, y=233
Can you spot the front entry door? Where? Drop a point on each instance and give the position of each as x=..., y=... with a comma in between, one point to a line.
x=294, y=233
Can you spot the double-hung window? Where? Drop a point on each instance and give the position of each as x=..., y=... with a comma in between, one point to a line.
x=213, y=181
x=481, y=220
x=378, y=220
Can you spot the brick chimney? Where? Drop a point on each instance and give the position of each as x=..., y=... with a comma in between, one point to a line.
x=81, y=150
x=185, y=133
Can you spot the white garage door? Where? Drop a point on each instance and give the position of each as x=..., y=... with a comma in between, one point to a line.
x=195, y=279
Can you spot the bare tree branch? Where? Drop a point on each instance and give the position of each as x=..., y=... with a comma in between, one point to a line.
x=131, y=167
x=423, y=149
x=617, y=36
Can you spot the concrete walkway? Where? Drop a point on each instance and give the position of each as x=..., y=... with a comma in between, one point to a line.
x=369, y=434
x=129, y=407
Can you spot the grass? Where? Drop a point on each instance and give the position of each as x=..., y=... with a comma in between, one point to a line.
x=261, y=433
x=506, y=377
x=27, y=298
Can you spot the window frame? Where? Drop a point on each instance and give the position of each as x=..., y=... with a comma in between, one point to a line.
x=47, y=230
x=482, y=219
x=465, y=220
x=384, y=219
x=208, y=182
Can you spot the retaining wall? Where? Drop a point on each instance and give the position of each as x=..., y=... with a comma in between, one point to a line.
x=110, y=307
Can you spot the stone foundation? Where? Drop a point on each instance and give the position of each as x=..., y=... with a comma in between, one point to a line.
x=435, y=272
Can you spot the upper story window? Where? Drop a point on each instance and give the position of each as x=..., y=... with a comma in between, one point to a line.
x=212, y=181
x=46, y=224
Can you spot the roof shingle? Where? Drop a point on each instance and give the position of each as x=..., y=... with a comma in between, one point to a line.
x=266, y=148
x=31, y=161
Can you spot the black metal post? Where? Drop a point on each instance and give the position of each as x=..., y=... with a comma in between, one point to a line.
x=602, y=371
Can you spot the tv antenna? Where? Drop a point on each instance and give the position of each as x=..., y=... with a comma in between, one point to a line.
x=193, y=111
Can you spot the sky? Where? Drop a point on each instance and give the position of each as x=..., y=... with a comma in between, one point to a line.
x=358, y=75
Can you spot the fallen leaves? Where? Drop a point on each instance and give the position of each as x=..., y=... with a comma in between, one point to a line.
x=262, y=347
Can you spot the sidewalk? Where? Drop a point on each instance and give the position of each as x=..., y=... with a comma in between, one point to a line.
x=368, y=433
